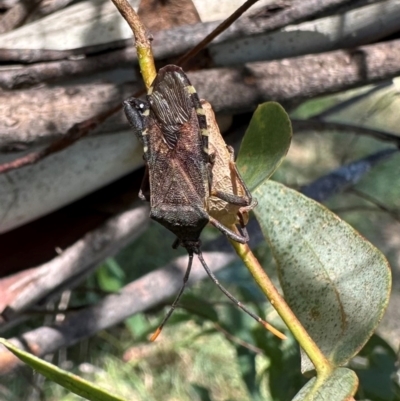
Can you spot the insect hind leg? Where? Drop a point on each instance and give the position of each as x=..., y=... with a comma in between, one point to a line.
x=175, y=303
x=242, y=239
x=235, y=301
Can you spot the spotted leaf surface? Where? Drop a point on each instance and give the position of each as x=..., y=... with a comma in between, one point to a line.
x=340, y=386
x=336, y=282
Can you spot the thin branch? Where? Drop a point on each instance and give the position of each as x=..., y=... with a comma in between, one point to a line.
x=133, y=20
x=356, y=208
x=300, y=126
x=362, y=208
x=76, y=132
x=142, y=41
x=33, y=118
x=375, y=202
x=345, y=104
x=296, y=12
x=345, y=176
x=216, y=32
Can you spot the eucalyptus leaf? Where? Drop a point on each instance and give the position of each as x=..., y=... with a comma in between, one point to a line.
x=339, y=386
x=71, y=382
x=265, y=143
x=335, y=281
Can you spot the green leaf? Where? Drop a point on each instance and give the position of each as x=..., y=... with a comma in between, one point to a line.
x=265, y=143
x=335, y=281
x=68, y=380
x=110, y=276
x=339, y=386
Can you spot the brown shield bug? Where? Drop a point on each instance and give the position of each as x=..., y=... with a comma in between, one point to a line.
x=172, y=127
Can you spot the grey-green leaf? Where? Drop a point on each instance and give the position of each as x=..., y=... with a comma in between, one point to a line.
x=339, y=386
x=265, y=143
x=68, y=380
x=336, y=282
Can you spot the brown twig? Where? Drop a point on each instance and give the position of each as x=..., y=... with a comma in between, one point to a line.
x=142, y=41
x=297, y=11
x=217, y=31
x=17, y=15
x=375, y=202
x=129, y=14
x=76, y=132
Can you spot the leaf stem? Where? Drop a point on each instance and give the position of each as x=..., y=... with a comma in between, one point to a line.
x=142, y=41
x=321, y=364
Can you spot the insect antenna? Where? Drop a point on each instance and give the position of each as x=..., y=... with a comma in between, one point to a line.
x=173, y=306
x=235, y=301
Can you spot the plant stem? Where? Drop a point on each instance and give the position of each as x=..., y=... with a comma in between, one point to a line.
x=321, y=364
x=142, y=41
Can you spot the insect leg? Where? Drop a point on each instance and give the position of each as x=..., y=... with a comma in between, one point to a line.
x=232, y=198
x=229, y=233
x=240, y=201
x=242, y=227
x=173, y=306
x=247, y=200
x=252, y=203
x=235, y=301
